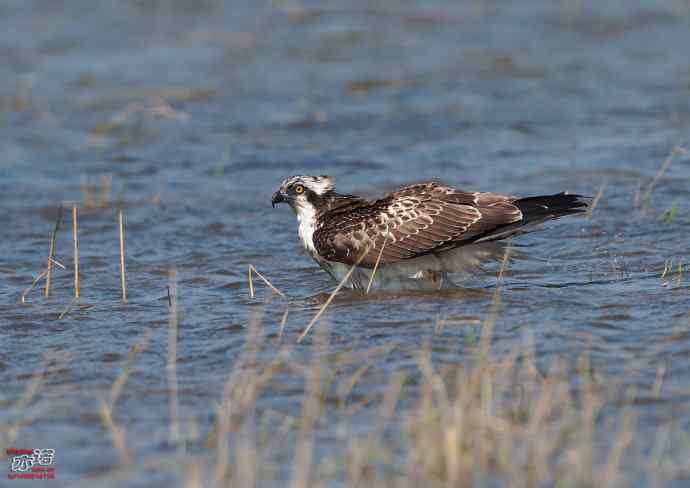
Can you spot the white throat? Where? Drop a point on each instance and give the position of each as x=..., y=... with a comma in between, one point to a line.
x=306, y=216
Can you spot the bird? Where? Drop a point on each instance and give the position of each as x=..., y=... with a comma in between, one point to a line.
x=417, y=237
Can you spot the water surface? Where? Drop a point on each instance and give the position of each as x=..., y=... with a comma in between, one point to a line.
x=195, y=111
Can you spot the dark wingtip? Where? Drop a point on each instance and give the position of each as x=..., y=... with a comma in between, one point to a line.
x=552, y=206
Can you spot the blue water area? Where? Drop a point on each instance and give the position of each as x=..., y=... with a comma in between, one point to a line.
x=188, y=114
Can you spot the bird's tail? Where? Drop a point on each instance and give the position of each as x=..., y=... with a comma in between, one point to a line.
x=536, y=210
x=547, y=207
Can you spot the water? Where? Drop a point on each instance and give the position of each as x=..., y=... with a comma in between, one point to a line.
x=197, y=111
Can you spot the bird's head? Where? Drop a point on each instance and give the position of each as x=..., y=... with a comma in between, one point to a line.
x=303, y=192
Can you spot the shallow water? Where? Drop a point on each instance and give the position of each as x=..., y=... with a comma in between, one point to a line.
x=197, y=110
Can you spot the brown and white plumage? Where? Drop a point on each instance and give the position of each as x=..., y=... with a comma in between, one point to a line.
x=422, y=232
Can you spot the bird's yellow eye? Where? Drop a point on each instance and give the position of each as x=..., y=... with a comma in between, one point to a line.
x=299, y=189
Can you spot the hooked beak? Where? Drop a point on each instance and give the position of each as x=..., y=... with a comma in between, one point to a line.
x=277, y=198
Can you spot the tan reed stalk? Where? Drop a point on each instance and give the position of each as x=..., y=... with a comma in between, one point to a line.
x=33, y=388
x=311, y=402
x=195, y=477
x=75, y=238
x=283, y=321
x=252, y=269
x=172, y=360
x=596, y=200
x=117, y=432
x=107, y=407
x=51, y=252
x=121, y=379
x=332, y=296
x=621, y=443
x=378, y=259
x=33, y=284
x=123, y=278
x=251, y=282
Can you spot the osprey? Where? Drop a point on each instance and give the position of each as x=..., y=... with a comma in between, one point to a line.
x=414, y=237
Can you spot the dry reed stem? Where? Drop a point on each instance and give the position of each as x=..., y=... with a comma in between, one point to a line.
x=117, y=432
x=222, y=428
x=622, y=442
x=33, y=284
x=388, y=404
x=246, y=469
x=668, y=266
x=332, y=296
x=121, y=379
x=345, y=388
x=252, y=269
x=240, y=393
x=303, y=460
x=644, y=198
x=58, y=264
x=596, y=200
x=32, y=389
x=51, y=252
x=251, y=282
x=172, y=361
x=75, y=239
x=378, y=259
x=360, y=463
x=656, y=457
x=283, y=321
x=123, y=278
x=195, y=478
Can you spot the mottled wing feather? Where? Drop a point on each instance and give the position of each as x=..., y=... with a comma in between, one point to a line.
x=418, y=219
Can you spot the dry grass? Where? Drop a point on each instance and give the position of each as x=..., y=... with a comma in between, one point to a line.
x=173, y=322
x=117, y=432
x=332, y=296
x=595, y=201
x=378, y=260
x=75, y=241
x=504, y=418
x=643, y=196
x=33, y=284
x=51, y=252
x=123, y=276
x=253, y=270
x=26, y=408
